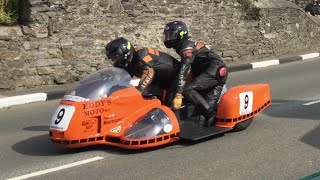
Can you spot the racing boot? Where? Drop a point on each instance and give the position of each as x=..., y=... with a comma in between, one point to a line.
x=212, y=98
x=197, y=100
x=202, y=107
x=210, y=118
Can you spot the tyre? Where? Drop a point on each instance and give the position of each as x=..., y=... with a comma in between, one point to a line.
x=242, y=125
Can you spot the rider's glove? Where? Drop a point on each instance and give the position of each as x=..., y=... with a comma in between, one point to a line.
x=177, y=101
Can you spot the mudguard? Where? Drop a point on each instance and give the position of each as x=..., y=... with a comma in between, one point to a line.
x=241, y=103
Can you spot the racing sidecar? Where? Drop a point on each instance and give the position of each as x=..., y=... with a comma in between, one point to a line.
x=105, y=108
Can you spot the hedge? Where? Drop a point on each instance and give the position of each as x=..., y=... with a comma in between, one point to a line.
x=9, y=11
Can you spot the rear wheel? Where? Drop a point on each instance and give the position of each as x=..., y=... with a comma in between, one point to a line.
x=242, y=125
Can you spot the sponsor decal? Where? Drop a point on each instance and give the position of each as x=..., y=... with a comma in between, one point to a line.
x=89, y=123
x=116, y=129
x=111, y=121
x=95, y=111
x=90, y=105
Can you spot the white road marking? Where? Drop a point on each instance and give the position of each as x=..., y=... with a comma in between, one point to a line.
x=312, y=102
x=308, y=56
x=265, y=63
x=23, y=99
x=57, y=168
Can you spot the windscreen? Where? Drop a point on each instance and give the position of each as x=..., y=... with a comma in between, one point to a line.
x=99, y=85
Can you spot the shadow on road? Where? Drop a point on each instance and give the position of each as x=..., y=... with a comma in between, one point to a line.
x=36, y=128
x=296, y=110
x=38, y=146
x=293, y=109
x=312, y=138
x=42, y=146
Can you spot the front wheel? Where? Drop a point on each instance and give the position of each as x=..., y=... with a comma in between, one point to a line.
x=242, y=125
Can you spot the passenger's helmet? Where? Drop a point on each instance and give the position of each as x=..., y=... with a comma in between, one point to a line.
x=174, y=33
x=120, y=51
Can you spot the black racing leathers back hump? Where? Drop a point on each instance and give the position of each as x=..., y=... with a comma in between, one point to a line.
x=196, y=58
x=151, y=62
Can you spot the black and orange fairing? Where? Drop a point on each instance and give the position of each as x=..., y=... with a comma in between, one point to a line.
x=124, y=119
x=105, y=108
x=247, y=101
x=114, y=121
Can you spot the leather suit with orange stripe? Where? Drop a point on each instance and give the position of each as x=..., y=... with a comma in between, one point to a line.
x=157, y=72
x=209, y=74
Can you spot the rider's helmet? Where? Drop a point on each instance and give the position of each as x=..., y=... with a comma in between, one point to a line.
x=120, y=51
x=174, y=33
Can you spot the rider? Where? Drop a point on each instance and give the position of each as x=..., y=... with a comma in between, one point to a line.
x=208, y=70
x=157, y=70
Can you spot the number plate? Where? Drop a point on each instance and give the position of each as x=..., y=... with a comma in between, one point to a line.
x=246, y=102
x=62, y=117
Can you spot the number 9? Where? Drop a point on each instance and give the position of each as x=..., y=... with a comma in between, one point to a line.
x=60, y=116
x=246, y=101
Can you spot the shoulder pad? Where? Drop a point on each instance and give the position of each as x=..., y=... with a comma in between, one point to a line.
x=199, y=45
x=142, y=52
x=187, y=45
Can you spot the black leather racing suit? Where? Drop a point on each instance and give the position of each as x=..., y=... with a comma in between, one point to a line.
x=205, y=66
x=157, y=71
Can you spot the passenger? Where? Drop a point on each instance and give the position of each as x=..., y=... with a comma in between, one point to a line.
x=209, y=71
x=157, y=70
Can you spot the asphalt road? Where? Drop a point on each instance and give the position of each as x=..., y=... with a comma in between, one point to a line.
x=281, y=143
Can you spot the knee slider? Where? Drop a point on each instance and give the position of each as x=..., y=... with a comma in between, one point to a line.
x=222, y=71
x=222, y=74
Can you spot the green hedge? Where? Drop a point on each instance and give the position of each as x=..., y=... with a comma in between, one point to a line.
x=9, y=11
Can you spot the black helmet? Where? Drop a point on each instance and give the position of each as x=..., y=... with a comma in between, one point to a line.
x=174, y=33
x=120, y=51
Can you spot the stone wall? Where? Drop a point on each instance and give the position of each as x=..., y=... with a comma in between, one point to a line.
x=64, y=40
x=300, y=3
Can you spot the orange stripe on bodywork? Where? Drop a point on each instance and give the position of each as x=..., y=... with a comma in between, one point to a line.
x=147, y=58
x=187, y=53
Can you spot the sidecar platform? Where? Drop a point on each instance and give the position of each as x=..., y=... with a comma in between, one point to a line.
x=193, y=131
x=192, y=127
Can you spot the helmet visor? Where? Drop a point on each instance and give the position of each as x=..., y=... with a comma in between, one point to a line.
x=169, y=35
x=114, y=56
